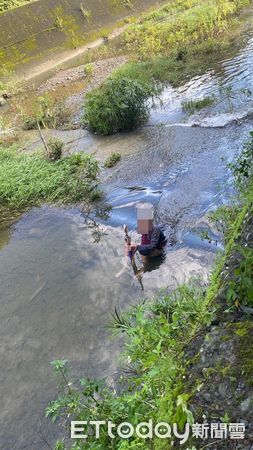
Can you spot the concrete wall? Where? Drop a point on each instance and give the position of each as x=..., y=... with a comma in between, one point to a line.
x=40, y=29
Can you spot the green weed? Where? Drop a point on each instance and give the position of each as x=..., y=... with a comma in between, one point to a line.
x=89, y=70
x=156, y=333
x=27, y=179
x=112, y=160
x=243, y=166
x=190, y=106
x=55, y=147
x=170, y=44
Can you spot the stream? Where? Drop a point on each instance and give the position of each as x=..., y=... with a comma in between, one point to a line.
x=58, y=287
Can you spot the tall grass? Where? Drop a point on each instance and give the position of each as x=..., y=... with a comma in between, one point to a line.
x=190, y=106
x=180, y=24
x=29, y=179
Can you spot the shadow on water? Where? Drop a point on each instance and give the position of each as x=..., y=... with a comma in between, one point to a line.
x=62, y=273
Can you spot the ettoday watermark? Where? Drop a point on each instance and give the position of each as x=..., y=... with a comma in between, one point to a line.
x=162, y=430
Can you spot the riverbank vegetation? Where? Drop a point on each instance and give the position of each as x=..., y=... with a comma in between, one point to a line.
x=167, y=45
x=190, y=106
x=112, y=160
x=183, y=26
x=120, y=103
x=10, y=4
x=169, y=370
x=29, y=179
x=47, y=112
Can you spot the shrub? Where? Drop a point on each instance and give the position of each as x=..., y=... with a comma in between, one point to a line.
x=88, y=70
x=55, y=147
x=118, y=104
x=112, y=160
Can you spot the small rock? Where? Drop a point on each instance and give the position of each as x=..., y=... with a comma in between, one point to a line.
x=222, y=390
x=246, y=405
x=207, y=397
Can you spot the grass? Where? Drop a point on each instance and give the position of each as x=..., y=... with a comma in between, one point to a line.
x=29, y=179
x=182, y=25
x=112, y=160
x=9, y=86
x=190, y=106
x=174, y=42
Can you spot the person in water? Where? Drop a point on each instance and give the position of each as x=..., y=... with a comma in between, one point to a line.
x=153, y=240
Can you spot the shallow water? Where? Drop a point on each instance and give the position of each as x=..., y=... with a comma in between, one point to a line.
x=58, y=288
x=229, y=80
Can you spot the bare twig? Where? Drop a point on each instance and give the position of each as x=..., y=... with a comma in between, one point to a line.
x=43, y=139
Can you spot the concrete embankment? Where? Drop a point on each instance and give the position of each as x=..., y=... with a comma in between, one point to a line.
x=46, y=28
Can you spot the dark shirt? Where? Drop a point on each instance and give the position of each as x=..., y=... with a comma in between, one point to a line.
x=149, y=242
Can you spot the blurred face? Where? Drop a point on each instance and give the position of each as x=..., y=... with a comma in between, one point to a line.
x=145, y=226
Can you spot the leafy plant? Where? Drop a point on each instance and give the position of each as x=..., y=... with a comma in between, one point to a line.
x=112, y=160
x=119, y=104
x=88, y=70
x=224, y=218
x=243, y=166
x=55, y=147
x=59, y=22
x=240, y=287
x=154, y=385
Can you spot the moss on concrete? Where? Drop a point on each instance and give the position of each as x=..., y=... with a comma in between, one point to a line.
x=51, y=26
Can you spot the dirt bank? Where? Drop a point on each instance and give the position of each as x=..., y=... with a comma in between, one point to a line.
x=64, y=78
